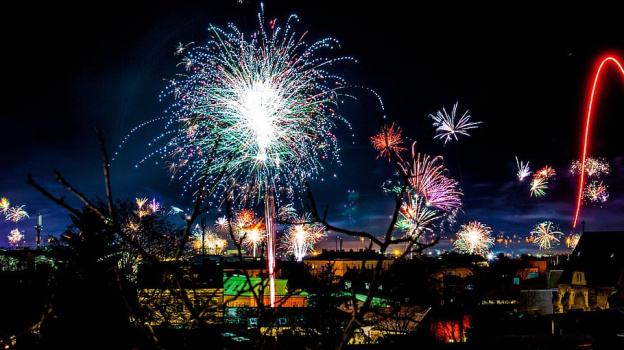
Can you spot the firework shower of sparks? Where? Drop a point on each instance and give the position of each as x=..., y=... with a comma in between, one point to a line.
x=447, y=127
x=546, y=234
x=474, y=238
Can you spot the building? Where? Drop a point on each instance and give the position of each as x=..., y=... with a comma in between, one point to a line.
x=242, y=291
x=594, y=277
x=342, y=261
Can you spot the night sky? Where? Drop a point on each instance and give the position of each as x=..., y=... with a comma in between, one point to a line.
x=524, y=73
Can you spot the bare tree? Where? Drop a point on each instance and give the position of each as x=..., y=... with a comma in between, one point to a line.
x=424, y=196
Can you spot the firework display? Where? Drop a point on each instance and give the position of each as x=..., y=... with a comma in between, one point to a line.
x=474, y=238
x=208, y=242
x=388, y=141
x=415, y=217
x=523, y=170
x=13, y=214
x=430, y=195
x=572, y=240
x=594, y=167
x=539, y=183
x=253, y=111
x=546, y=234
x=546, y=172
x=15, y=237
x=596, y=192
x=429, y=178
x=448, y=127
x=249, y=230
x=259, y=107
x=538, y=186
x=301, y=236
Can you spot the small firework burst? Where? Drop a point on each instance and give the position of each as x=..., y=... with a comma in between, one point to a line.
x=447, y=127
x=523, y=170
x=388, y=141
x=594, y=167
x=596, y=192
x=538, y=186
x=546, y=234
x=474, y=238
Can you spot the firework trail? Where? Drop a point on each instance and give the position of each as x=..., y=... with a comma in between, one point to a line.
x=523, y=170
x=474, y=238
x=302, y=235
x=546, y=234
x=259, y=108
x=584, y=157
x=447, y=127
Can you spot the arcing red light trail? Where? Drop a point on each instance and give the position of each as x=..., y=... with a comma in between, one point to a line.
x=604, y=61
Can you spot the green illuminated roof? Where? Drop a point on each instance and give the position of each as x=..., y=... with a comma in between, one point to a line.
x=241, y=285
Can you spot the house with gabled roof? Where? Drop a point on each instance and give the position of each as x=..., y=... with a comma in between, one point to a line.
x=593, y=279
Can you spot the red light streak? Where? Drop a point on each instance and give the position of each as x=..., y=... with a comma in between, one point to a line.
x=604, y=61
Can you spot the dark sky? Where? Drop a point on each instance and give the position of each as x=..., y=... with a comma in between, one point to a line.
x=523, y=72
